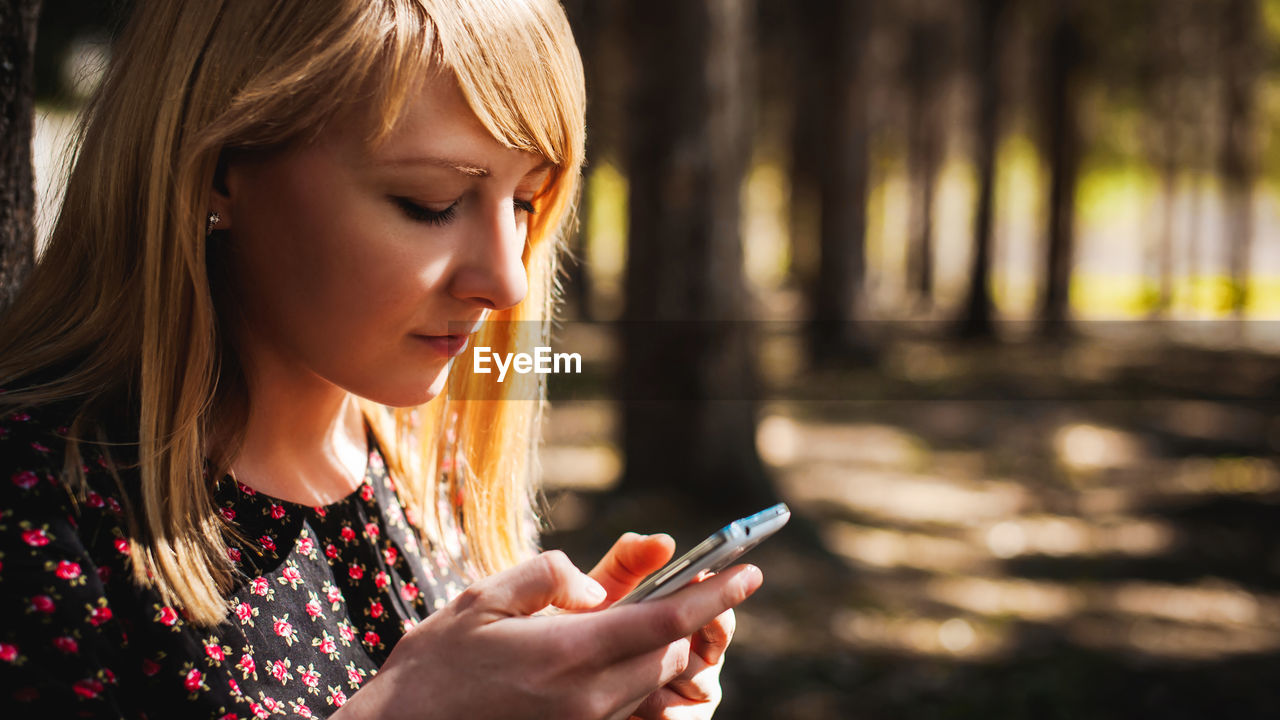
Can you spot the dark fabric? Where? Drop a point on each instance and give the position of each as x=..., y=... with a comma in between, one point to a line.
x=326, y=592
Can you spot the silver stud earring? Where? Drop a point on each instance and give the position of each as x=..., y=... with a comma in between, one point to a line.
x=211, y=223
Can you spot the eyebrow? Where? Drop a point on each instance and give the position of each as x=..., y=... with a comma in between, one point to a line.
x=461, y=166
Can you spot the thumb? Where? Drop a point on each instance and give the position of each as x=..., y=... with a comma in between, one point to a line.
x=548, y=579
x=631, y=559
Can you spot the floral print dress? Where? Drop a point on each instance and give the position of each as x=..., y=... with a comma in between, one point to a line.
x=325, y=593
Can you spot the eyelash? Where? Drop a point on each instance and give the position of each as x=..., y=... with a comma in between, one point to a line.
x=442, y=217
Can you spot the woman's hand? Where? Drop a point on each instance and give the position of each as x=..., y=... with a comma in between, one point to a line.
x=485, y=655
x=695, y=693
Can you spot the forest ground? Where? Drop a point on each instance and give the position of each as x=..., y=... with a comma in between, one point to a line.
x=1082, y=529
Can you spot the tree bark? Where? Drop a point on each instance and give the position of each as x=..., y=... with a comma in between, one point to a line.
x=687, y=371
x=1062, y=138
x=1239, y=53
x=925, y=145
x=836, y=297
x=17, y=125
x=978, y=320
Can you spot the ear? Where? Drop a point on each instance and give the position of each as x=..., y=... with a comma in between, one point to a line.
x=220, y=196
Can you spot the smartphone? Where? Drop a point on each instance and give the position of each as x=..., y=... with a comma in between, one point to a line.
x=714, y=554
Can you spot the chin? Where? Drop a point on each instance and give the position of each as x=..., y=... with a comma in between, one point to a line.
x=411, y=393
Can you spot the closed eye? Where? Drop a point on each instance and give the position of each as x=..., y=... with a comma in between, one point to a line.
x=414, y=211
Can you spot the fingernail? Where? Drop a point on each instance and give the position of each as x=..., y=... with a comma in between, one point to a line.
x=750, y=579
x=595, y=592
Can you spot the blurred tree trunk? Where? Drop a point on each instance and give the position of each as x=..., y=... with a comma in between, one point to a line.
x=1240, y=77
x=978, y=320
x=836, y=296
x=589, y=19
x=1162, y=82
x=17, y=124
x=807, y=99
x=1063, y=140
x=688, y=377
x=925, y=145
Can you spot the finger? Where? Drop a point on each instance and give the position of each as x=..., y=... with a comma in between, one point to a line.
x=636, y=629
x=666, y=704
x=713, y=639
x=700, y=680
x=548, y=579
x=636, y=678
x=631, y=559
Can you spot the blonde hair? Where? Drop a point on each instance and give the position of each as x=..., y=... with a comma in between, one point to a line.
x=121, y=307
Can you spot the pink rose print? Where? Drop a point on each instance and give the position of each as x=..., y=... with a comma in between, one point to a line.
x=306, y=545
x=337, y=697
x=20, y=416
x=258, y=711
x=214, y=651
x=25, y=479
x=381, y=579
x=406, y=625
x=108, y=675
x=313, y=608
x=66, y=644
x=332, y=594
x=272, y=704
x=356, y=572
x=245, y=489
x=326, y=644
x=8, y=652
x=371, y=638
x=310, y=677
x=234, y=686
x=389, y=555
x=193, y=680
x=330, y=551
x=348, y=534
x=347, y=632
x=99, y=615
x=291, y=576
x=67, y=570
x=38, y=447
x=104, y=574
x=43, y=603
x=371, y=529
x=259, y=586
x=277, y=511
x=301, y=709
x=376, y=610
x=114, y=505
x=279, y=670
x=149, y=667
x=35, y=538
x=282, y=628
x=233, y=554
x=267, y=543
x=87, y=688
x=321, y=511
x=409, y=592
x=366, y=493
x=245, y=613
x=94, y=500
x=354, y=675
x=227, y=514
x=247, y=665
x=167, y=616
x=122, y=546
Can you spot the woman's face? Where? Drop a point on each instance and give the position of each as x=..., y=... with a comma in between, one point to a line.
x=346, y=259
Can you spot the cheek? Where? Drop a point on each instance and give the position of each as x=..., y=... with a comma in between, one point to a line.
x=332, y=280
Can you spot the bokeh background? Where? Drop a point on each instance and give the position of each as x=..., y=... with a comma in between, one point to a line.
x=986, y=290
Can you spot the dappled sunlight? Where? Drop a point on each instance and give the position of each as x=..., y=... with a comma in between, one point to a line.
x=1082, y=446
x=878, y=547
x=1059, y=536
x=783, y=440
x=906, y=496
x=1206, y=603
x=1023, y=599
x=595, y=468
x=1166, y=640
x=960, y=638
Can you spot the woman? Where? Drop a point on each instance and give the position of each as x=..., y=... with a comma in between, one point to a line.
x=225, y=386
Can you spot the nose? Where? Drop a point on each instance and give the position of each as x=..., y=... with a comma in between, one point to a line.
x=492, y=272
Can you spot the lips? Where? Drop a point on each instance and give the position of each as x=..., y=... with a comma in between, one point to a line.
x=447, y=345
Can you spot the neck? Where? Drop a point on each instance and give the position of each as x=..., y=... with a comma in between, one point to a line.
x=304, y=439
